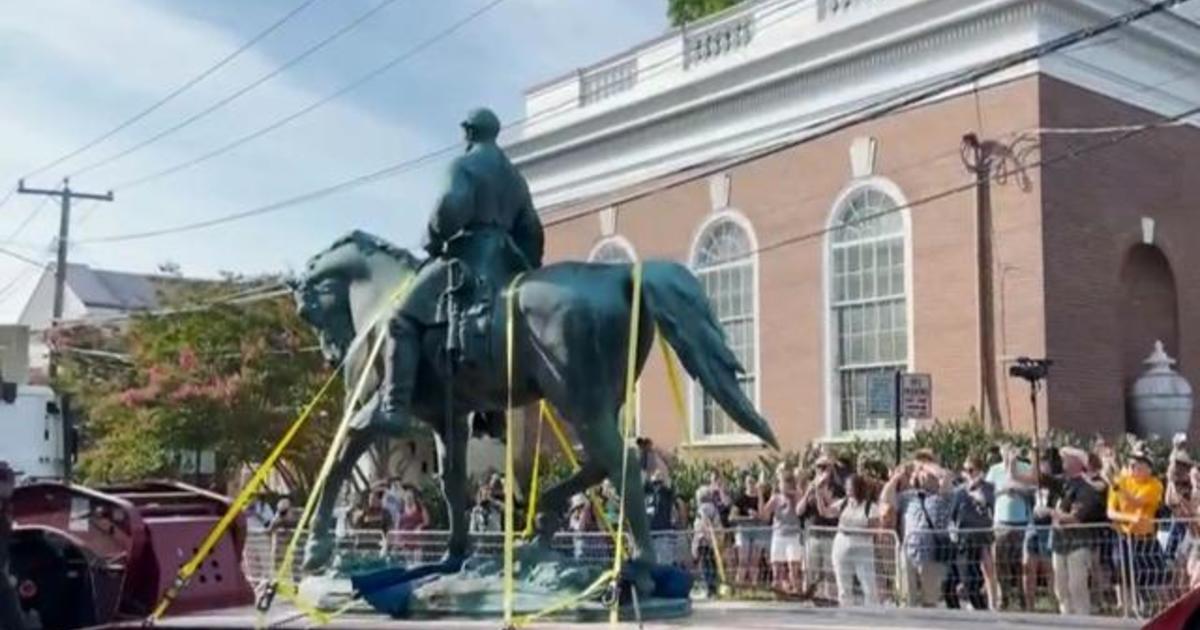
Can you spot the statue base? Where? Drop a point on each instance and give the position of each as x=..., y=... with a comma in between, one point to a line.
x=475, y=589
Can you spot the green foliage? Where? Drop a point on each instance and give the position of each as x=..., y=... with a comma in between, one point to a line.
x=683, y=11
x=228, y=379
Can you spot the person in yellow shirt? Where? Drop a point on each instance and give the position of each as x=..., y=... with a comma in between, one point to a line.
x=1133, y=501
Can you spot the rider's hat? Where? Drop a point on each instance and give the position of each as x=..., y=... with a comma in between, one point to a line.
x=483, y=122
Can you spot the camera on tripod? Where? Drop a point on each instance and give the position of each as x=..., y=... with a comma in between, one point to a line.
x=1032, y=370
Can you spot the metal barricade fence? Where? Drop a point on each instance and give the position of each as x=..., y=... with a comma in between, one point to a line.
x=1162, y=566
x=1076, y=569
x=753, y=562
x=1091, y=569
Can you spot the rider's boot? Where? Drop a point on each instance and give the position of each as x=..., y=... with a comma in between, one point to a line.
x=400, y=373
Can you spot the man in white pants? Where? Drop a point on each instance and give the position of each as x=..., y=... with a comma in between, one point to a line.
x=1076, y=520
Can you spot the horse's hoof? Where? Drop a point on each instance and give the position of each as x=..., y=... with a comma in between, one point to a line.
x=537, y=550
x=451, y=563
x=638, y=574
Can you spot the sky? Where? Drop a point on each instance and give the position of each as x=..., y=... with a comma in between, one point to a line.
x=71, y=70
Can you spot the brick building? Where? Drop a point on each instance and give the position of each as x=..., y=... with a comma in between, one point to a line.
x=832, y=257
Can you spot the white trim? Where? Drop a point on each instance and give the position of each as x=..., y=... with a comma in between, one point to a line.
x=871, y=435
x=892, y=190
x=726, y=440
x=615, y=239
x=716, y=217
x=808, y=69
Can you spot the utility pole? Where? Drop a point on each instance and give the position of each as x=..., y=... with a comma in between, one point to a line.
x=65, y=195
x=978, y=157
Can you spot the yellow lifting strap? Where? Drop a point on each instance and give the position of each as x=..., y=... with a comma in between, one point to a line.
x=676, y=387
x=283, y=578
x=509, y=448
x=609, y=577
x=534, y=482
x=239, y=503
x=261, y=473
x=630, y=381
x=569, y=451
x=339, y=439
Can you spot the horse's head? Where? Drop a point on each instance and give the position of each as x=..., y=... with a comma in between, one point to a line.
x=324, y=303
x=323, y=292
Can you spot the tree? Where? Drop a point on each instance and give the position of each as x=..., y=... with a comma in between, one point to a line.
x=683, y=11
x=225, y=378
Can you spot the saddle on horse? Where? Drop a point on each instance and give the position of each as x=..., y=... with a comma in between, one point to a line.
x=455, y=294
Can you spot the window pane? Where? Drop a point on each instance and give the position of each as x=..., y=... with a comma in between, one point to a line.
x=868, y=270
x=722, y=263
x=854, y=286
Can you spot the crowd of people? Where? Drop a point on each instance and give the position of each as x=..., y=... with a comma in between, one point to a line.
x=1064, y=528
x=388, y=507
x=1078, y=531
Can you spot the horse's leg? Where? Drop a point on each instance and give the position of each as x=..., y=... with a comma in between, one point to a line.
x=319, y=549
x=602, y=441
x=454, y=487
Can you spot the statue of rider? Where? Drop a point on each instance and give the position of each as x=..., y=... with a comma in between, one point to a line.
x=485, y=221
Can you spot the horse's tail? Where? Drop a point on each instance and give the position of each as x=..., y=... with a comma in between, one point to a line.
x=678, y=304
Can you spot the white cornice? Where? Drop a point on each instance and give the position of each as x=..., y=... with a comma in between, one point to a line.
x=897, y=44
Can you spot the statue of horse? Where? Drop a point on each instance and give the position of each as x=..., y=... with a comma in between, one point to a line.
x=571, y=336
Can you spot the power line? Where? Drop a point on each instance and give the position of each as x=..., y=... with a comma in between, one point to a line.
x=16, y=279
x=1126, y=133
x=8, y=195
x=552, y=111
x=21, y=257
x=1178, y=17
x=385, y=172
x=33, y=212
x=361, y=180
x=1070, y=154
x=238, y=93
x=838, y=122
x=902, y=100
x=127, y=359
x=249, y=296
x=174, y=93
x=349, y=87
x=956, y=152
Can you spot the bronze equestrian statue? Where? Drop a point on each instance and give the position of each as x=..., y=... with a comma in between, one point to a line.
x=446, y=357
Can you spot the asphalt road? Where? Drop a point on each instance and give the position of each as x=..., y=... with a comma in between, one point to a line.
x=723, y=616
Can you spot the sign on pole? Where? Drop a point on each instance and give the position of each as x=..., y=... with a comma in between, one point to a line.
x=916, y=396
x=881, y=395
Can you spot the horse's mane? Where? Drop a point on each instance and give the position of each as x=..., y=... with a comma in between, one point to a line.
x=368, y=244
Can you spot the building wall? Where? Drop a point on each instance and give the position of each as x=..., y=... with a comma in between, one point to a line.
x=792, y=193
x=1093, y=214
x=38, y=316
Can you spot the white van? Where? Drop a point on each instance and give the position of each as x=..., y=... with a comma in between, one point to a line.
x=31, y=432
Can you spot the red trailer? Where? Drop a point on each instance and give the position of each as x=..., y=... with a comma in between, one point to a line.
x=88, y=556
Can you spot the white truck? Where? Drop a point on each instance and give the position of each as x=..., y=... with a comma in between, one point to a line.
x=31, y=431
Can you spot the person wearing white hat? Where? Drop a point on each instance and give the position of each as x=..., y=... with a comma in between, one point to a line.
x=579, y=522
x=1076, y=518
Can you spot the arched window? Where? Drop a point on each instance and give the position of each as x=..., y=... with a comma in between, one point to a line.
x=613, y=250
x=868, y=302
x=724, y=261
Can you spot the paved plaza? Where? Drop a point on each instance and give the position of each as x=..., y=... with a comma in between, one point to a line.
x=707, y=616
